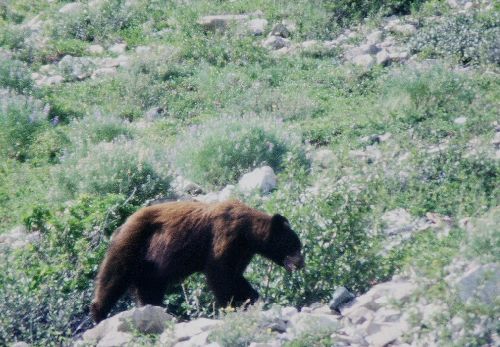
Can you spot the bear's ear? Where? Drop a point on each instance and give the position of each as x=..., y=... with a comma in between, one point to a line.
x=278, y=221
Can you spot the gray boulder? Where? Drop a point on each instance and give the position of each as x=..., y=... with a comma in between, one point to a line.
x=340, y=297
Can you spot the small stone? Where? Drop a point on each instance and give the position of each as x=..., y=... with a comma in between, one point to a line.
x=460, y=120
x=387, y=333
x=324, y=158
x=104, y=72
x=404, y=29
x=374, y=37
x=20, y=344
x=288, y=312
x=280, y=30
x=383, y=58
x=304, y=322
x=481, y=282
x=340, y=297
x=276, y=42
x=364, y=60
x=118, y=48
x=257, y=26
x=262, y=179
x=143, y=50
x=95, y=49
x=220, y=22
x=184, y=331
x=227, y=192
x=71, y=8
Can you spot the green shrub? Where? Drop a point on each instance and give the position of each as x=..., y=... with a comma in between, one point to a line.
x=21, y=119
x=45, y=288
x=48, y=146
x=346, y=12
x=219, y=152
x=470, y=37
x=15, y=75
x=97, y=128
x=101, y=22
x=118, y=167
x=241, y=328
x=428, y=101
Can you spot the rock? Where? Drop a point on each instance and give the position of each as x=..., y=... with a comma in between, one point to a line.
x=397, y=221
x=387, y=333
x=76, y=68
x=71, y=8
x=118, y=330
x=197, y=340
x=103, y=72
x=481, y=282
x=122, y=61
x=383, y=58
x=95, y=49
x=18, y=237
x=374, y=37
x=404, y=29
x=364, y=60
x=155, y=113
x=276, y=42
x=20, y=344
x=143, y=50
x=50, y=80
x=359, y=314
x=280, y=30
x=496, y=140
x=257, y=26
x=262, y=179
x=305, y=322
x=288, y=312
x=265, y=344
x=220, y=22
x=323, y=309
x=185, y=331
x=226, y=193
x=385, y=314
x=460, y=120
x=340, y=296
x=323, y=158
x=118, y=48
x=208, y=198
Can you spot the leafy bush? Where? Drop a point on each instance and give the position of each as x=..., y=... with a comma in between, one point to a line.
x=15, y=75
x=428, y=101
x=97, y=128
x=469, y=37
x=45, y=288
x=48, y=146
x=219, y=152
x=118, y=167
x=21, y=119
x=241, y=328
x=101, y=22
x=346, y=12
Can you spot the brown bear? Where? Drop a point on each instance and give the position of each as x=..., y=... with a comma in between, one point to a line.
x=162, y=244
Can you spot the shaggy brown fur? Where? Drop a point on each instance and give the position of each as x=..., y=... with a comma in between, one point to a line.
x=162, y=244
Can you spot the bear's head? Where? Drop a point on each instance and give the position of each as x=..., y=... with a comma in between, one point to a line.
x=283, y=245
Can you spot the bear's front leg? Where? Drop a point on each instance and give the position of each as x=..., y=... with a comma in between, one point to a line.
x=230, y=288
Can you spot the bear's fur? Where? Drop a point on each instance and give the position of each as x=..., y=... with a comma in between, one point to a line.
x=162, y=244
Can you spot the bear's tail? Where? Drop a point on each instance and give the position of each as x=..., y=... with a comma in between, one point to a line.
x=119, y=265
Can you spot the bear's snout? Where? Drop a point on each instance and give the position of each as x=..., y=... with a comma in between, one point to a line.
x=294, y=262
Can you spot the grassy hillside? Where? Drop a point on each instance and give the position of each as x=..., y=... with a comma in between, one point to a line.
x=104, y=103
